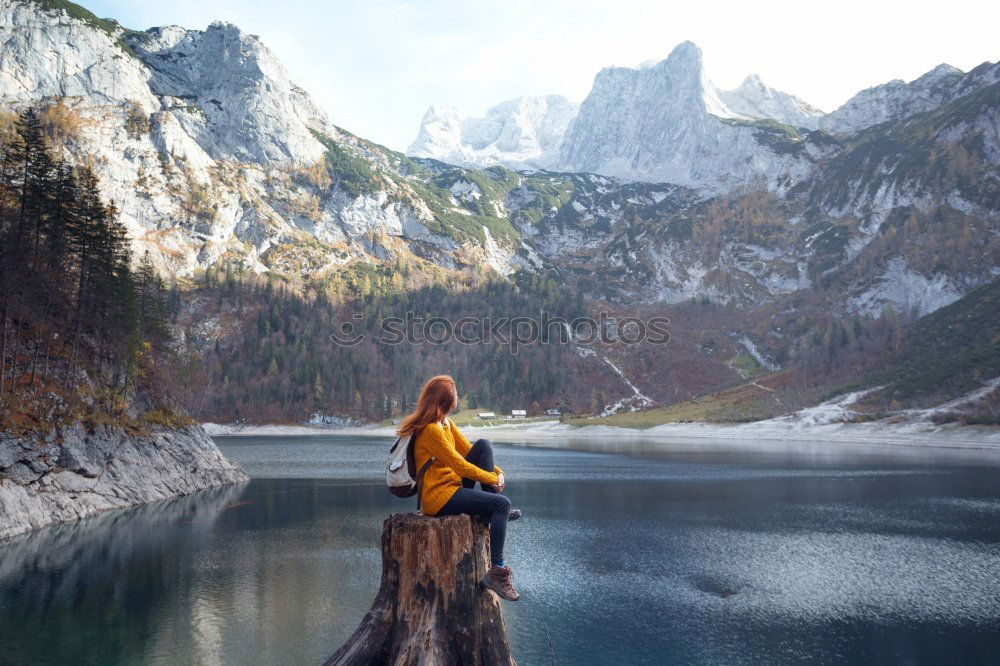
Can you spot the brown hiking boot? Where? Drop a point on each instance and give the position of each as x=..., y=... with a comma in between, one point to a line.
x=499, y=579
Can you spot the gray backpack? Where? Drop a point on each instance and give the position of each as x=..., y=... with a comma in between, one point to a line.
x=401, y=473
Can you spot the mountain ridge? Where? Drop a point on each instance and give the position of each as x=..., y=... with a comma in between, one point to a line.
x=752, y=101
x=441, y=135
x=256, y=173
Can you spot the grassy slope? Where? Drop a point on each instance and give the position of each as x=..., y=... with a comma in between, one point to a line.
x=945, y=354
x=467, y=417
x=736, y=404
x=354, y=172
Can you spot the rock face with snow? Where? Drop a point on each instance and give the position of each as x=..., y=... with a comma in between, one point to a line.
x=662, y=122
x=756, y=99
x=865, y=228
x=520, y=133
x=894, y=100
x=73, y=473
x=669, y=123
x=897, y=100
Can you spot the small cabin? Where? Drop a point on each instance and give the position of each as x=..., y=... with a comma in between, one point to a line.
x=485, y=416
x=552, y=412
x=518, y=414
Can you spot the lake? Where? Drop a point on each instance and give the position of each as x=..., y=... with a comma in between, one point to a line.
x=708, y=554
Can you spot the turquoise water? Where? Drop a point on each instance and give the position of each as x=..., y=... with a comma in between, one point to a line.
x=710, y=555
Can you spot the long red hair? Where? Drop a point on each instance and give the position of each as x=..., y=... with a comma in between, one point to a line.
x=438, y=397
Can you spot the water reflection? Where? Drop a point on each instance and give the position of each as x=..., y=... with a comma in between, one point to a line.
x=116, y=570
x=269, y=572
x=763, y=451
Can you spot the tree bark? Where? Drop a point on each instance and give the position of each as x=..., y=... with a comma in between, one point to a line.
x=431, y=607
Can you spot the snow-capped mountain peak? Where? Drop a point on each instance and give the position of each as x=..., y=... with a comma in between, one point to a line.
x=755, y=99
x=521, y=133
x=440, y=133
x=670, y=123
x=623, y=128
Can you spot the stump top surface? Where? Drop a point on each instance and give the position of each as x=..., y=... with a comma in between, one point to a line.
x=420, y=520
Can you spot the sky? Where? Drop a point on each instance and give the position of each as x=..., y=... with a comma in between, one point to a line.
x=375, y=66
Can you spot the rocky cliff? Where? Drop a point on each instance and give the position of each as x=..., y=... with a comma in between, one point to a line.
x=211, y=153
x=74, y=473
x=668, y=123
x=897, y=100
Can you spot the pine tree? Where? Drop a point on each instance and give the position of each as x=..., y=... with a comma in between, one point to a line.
x=318, y=391
x=65, y=279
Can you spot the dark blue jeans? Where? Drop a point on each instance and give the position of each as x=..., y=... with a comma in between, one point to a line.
x=486, y=503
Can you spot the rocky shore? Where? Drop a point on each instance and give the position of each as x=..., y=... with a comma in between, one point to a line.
x=74, y=473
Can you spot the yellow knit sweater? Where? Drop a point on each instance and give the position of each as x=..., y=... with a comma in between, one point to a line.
x=449, y=446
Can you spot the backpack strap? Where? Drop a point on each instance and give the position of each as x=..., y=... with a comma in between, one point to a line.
x=418, y=479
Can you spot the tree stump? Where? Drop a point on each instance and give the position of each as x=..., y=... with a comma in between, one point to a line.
x=430, y=607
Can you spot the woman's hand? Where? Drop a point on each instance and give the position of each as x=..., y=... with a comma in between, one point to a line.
x=501, y=483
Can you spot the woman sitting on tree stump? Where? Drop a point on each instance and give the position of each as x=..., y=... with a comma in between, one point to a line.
x=448, y=484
